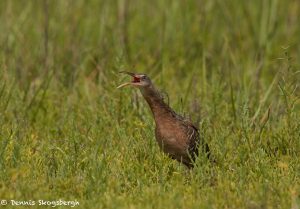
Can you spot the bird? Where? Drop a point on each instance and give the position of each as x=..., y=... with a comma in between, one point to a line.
x=176, y=135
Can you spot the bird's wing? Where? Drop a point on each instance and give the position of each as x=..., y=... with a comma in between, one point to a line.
x=193, y=140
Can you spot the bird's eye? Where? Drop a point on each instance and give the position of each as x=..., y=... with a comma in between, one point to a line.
x=143, y=77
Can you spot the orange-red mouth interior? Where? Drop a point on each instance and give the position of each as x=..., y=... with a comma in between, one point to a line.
x=136, y=79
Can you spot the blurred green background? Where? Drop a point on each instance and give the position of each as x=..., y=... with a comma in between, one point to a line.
x=67, y=133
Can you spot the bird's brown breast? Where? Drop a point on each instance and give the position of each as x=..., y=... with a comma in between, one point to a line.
x=174, y=138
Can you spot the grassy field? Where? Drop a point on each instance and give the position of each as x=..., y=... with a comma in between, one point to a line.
x=67, y=133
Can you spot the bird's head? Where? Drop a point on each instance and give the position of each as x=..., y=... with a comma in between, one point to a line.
x=138, y=80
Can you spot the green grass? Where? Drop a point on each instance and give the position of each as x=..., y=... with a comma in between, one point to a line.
x=67, y=133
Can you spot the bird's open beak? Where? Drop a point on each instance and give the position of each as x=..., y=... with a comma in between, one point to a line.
x=135, y=80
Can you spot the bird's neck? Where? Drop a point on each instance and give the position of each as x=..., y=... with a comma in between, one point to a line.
x=157, y=105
